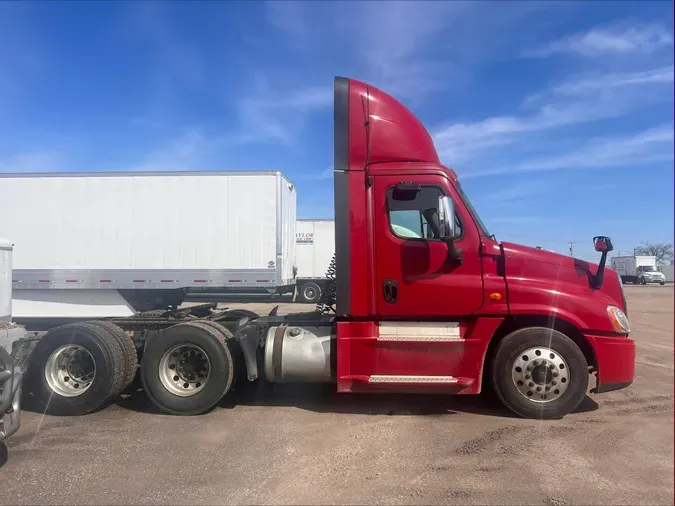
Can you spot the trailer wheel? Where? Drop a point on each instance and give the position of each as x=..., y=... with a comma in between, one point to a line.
x=539, y=373
x=188, y=368
x=75, y=369
x=128, y=349
x=310, y=292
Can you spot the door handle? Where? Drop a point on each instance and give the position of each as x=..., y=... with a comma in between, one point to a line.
x=390, y=290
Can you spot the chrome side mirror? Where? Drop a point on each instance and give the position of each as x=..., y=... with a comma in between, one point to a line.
x=446, y=218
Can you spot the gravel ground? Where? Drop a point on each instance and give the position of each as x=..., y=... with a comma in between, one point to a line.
x=307, y=445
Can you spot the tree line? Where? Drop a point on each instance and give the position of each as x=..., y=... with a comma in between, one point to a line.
x=662, y=251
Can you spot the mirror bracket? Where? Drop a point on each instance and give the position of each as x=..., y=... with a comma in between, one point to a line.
x=602, y=244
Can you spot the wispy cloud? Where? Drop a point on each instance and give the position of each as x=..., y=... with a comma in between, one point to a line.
x=183, y=152
x=517, y=192
x=323, y=175
x=650, y=146
x=585, y=84
x=577, y=100
x=36, y=161
x=518, y=220
x=268, y=116
x=620, y=38
x=456, y=142
x=409, y=48
x=388, y=39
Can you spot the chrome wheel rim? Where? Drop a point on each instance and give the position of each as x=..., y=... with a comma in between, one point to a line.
x=540, y=374
x=309, y=293
x=70, y=370
x=184, y=370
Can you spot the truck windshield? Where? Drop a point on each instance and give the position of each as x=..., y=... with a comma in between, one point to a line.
x=649, y=268
x=481, y=225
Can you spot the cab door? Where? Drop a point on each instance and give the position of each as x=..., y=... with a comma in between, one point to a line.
x=417, y=274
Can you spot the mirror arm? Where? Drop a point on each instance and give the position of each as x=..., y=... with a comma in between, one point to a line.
x=596, y=281
x=454, y=254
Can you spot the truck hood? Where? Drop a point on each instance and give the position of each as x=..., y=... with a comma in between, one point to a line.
x=538, y=255
x=543, y=282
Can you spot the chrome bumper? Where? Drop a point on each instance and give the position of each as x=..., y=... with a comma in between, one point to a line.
x=10, y=395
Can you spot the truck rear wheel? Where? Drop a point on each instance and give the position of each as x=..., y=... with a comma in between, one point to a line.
x=188, y=368
x=128, y=349
x=310, y=292
x=232, y=345
x=75, y=369
x=539, y=373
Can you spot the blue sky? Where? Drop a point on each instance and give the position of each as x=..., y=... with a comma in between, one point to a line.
x=558, y=116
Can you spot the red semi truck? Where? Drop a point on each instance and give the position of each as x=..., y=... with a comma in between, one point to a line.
x=424, y=299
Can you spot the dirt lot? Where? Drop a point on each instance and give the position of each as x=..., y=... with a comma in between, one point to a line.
x=310, y=446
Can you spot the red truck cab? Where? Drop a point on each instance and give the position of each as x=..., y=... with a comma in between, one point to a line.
x=428, y=300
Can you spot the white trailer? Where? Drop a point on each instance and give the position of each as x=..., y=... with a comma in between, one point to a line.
x=314, y=250
x=110, y=244
x=638, y=269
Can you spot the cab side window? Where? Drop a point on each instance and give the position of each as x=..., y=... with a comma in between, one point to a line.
x=413, y=214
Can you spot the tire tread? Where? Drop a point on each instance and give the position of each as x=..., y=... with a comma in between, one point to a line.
x=128, y=348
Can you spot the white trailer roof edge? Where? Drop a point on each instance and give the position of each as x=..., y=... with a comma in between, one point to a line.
x=262, y=172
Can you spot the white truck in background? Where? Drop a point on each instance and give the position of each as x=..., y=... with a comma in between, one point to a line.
x=314, y=250
x=638, y=269
x=107, y=245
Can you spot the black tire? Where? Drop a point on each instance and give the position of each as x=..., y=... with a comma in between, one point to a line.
x=310, y=292
x=662, y=283
x=643, y=281
x=510, y=349
x=214, y=344
x=233, y=346
x=128, y=348
x=107, y=383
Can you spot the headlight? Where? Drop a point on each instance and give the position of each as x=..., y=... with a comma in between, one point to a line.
x=619, y=320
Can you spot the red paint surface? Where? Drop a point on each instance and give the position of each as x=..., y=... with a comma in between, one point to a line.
x=388, y=144
x=428, y=284
x=360, y=355
x=545, y=283
x=616, y=358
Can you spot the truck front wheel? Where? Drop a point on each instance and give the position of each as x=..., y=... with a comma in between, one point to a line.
x=188, y=368
x=539, y=373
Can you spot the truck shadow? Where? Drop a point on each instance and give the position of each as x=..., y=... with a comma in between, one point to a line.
x=324, y=399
